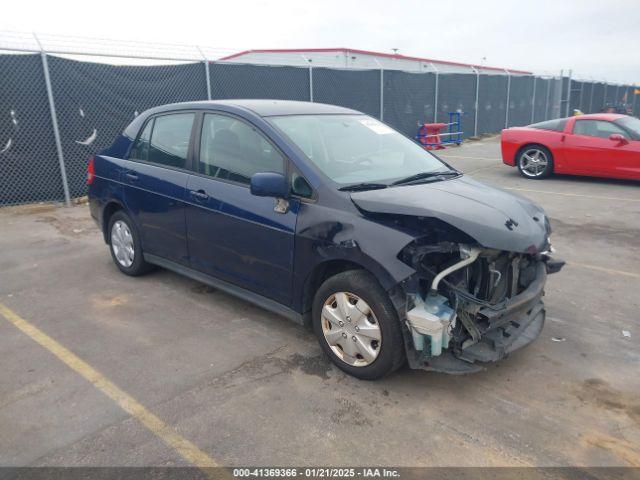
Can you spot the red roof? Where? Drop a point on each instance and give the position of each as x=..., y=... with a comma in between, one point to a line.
x=377, y=54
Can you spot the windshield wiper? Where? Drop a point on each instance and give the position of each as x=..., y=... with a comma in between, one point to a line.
x=426, y=175
x=362, y=186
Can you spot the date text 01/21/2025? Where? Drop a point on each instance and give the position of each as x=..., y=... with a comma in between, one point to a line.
x=316, y=472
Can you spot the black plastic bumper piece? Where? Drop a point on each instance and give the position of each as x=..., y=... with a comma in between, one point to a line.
x=508, y=324
x=498, y=343
x=554, y=265
x=493, y=347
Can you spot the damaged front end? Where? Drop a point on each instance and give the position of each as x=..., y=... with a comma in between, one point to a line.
x=480, y=257
x=467, y=305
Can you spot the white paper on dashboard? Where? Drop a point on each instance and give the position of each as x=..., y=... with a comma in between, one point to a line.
x=378, y=127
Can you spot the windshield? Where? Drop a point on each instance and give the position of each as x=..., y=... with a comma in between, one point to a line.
x=356, y=148
x=632, y=125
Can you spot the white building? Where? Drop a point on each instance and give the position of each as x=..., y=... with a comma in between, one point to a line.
x=359, y=59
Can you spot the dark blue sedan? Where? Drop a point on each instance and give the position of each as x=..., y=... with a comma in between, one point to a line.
x=333, y=219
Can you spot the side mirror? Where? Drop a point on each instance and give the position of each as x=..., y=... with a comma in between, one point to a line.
x=616, y=137
x=269, y=184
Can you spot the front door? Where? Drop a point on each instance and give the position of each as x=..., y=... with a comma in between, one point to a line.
x=155, y=178
x=588, y=149
x=232, y=234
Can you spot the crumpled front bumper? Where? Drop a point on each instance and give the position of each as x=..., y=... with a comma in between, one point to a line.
x=512, y=325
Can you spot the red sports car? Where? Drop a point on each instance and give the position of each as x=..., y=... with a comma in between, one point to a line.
x=598, y=145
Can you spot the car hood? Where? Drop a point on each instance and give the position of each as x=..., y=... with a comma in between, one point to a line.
x=494, y=218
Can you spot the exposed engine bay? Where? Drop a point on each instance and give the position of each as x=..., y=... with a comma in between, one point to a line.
x=479, y=260
x=468, y=304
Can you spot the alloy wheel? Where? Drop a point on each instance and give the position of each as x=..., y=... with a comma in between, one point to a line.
x=533, y=162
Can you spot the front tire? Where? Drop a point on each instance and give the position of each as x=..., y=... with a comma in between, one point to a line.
x=535, y=162
x=357, y=325
x=125, y=245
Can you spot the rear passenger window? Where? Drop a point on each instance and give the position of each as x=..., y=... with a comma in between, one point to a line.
x=234, y=150
x=165, y=140
x=140, y=150
x=556, y=125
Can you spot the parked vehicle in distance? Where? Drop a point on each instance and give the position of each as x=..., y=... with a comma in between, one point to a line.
x=597, y=145
x=616, y=108
x=333, y=219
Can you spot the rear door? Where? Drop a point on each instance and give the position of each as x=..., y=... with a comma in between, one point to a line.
x=588, y=149
x=231, y=233
x=155, y=179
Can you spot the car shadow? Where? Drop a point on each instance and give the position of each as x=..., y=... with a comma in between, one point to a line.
x=594, y=180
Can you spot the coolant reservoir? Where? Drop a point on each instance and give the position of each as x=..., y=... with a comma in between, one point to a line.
x=431, y=318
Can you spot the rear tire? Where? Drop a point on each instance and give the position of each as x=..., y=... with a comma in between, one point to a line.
x=357, y=325
x=125, y=245
x=535, y=162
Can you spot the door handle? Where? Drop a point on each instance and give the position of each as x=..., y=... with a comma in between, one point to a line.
x=199, y=194
x=132, y=177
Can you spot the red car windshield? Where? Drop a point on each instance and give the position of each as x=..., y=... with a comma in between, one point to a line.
x=631, y=125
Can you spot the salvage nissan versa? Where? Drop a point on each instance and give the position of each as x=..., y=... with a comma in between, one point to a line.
x=333, y=219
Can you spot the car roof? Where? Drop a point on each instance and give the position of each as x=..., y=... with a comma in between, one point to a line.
x=263, y=107
x=259, y=107
x=611, y=117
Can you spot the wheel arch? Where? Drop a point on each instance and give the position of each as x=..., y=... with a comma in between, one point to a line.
x=107, y=212
x=529, y=145
x=319, y=274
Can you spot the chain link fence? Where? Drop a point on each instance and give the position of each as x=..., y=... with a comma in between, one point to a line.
x=357, y=89
x=94, y=101
x=589, y=97
x=256, y=81
x=56, y=112
x=29, y=169
x=409, y=99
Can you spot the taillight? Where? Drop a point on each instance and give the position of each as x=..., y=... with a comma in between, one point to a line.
x=91, y=173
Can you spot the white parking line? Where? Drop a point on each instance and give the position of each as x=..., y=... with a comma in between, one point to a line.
x=168, y=434
x=564, y=194
x=445, y=156
x=610, y=271
x=488, y=167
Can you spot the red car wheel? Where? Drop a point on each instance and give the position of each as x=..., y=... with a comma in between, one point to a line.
x=535, y=161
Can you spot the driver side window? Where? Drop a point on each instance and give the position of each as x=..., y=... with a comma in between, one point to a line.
x=232, y=149
x=597, y=128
